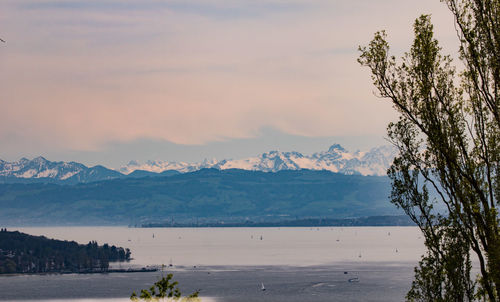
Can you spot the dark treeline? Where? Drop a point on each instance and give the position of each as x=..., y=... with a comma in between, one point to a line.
x=400, y=220
x=23, y=253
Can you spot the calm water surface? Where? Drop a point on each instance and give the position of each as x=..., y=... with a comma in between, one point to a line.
x=252, y=246
x=229, y=264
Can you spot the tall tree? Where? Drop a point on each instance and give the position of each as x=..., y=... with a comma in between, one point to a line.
x=446, y=176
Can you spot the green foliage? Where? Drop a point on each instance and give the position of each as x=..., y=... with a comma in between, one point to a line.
x=23, y=253
x=448, y=137
x=164, y=288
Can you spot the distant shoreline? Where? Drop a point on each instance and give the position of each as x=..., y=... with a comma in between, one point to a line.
x=371, y=221
x=110, y=271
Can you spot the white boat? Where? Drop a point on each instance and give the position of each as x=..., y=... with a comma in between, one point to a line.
x=262, y=287
x=355, y=279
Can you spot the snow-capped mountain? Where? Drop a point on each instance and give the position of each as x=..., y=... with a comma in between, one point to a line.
x=159, y=166
x=39, y=168
x=43, y=169
x=335, y=159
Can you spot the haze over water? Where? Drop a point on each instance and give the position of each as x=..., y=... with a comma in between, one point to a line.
x=244, y=246
x=229, y=264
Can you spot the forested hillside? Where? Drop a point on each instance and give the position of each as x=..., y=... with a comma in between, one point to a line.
x=207, y=194
x=23, y=253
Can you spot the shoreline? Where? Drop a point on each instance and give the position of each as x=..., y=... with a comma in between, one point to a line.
x=226, y=268
x=110, y=271
x=222, y=222
x=378, y=281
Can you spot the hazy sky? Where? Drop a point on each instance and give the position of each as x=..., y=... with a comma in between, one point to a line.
x=106, y=81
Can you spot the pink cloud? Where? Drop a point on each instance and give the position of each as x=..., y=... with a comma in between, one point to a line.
x=78, y=79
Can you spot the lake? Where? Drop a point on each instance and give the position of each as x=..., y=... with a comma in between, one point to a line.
x=229, y=264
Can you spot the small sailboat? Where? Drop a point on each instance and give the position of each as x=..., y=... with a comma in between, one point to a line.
x=262, y=287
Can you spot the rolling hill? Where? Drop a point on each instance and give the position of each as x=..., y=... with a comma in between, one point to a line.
x=204, y=195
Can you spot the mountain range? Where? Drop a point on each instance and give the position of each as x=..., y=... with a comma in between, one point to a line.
x=269, y=188
x=336, y=159
x=203, y=196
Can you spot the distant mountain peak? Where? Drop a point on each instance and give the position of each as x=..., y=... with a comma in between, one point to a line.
x=336, y=159
x=336, y=147
x=41, y=169
x=39, y=160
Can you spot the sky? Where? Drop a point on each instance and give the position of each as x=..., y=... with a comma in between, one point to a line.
x=108, y=81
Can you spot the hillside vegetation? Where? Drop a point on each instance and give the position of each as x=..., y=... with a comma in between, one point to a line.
x=23, y=253
x=206, y=194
